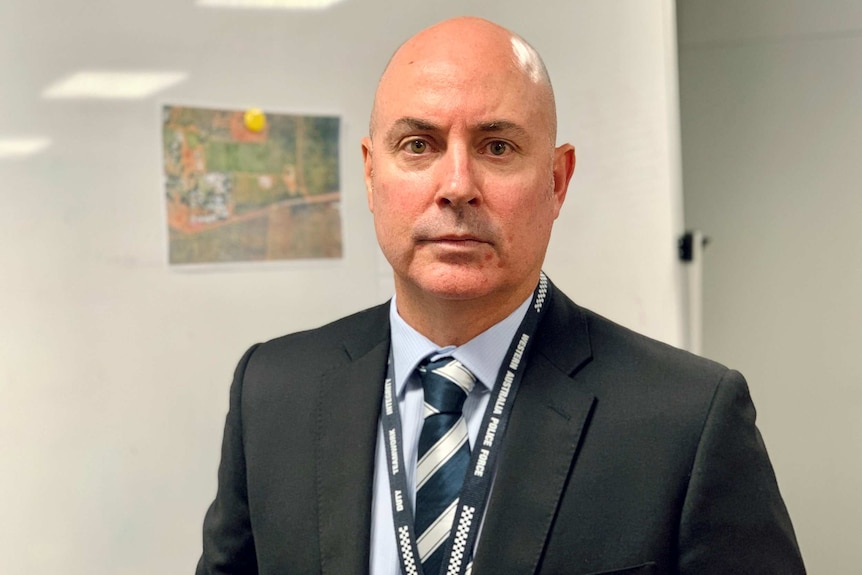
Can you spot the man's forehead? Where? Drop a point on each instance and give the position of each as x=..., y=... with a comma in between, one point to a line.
x=450, y=78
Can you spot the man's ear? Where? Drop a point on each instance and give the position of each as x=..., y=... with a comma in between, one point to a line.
x=369, y=171
x=564, y=167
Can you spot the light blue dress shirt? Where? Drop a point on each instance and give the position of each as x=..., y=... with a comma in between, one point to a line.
x=483, y=355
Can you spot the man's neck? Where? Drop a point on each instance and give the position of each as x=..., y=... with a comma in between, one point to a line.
x=455, y=321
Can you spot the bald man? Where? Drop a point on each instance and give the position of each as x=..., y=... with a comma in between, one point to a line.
x=481, y=422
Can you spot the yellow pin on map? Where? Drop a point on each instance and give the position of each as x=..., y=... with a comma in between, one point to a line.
x=255, y=119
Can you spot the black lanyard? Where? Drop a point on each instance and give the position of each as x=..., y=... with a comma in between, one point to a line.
x=477, y=483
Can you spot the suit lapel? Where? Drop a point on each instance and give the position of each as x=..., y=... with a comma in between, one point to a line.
x=349, y=408
x=550, y=414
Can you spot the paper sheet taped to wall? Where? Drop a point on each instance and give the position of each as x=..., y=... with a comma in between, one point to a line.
x=235, y=194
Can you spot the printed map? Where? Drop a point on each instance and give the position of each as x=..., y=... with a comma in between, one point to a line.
x=234, y=194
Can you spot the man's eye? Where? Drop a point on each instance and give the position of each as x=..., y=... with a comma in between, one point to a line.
x=417, y=146
x=498, y=148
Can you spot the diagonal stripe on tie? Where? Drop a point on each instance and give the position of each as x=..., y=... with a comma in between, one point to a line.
x=437, y=532
x=444, y=454
x=429, y=410
x=441, y=452
x=454, y=371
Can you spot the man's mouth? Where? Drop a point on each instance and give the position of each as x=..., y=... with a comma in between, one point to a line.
x=455, y=240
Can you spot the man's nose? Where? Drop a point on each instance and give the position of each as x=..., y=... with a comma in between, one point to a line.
x=458, y=178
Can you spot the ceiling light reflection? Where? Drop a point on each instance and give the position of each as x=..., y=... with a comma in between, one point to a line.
x=112, y=85
x=271, y=4
x=20, y=147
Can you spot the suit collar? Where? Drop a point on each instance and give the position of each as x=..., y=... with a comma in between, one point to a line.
x=563, y=337
x=365, y=330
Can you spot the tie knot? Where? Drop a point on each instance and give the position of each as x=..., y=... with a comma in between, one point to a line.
x=446, y=383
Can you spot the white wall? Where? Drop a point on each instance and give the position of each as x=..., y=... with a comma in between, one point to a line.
x=772, y=138
x=114, y=369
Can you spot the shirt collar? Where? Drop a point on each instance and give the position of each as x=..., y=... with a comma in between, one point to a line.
x=483, y=355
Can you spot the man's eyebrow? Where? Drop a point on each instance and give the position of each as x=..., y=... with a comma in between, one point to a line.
x=408, y=124
x=502, y=126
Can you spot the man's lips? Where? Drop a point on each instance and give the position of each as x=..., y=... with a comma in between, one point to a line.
x=454, y=240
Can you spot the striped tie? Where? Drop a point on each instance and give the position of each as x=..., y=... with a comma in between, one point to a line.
x=444, y=454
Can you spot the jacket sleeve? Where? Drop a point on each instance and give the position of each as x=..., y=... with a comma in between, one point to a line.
x=734, y=519
x=228, y=542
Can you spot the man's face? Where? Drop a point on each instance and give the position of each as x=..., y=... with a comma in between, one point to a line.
x=461, y=172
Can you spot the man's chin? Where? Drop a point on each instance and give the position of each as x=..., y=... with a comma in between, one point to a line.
x=454, y=284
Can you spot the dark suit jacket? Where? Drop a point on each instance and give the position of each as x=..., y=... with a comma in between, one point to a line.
x=623, y=455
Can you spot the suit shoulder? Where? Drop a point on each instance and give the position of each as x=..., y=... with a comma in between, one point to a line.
x=641, y=381
x=618, y=341
x=623, y=354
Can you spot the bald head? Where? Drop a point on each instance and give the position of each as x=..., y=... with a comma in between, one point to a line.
x=473, y=49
